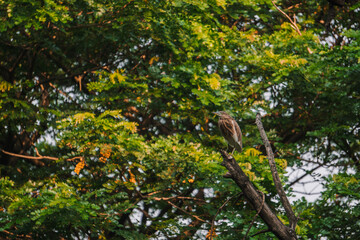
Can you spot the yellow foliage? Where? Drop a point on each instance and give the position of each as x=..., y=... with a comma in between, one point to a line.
x=261, y=158
x=293, y=62
x=351, y=181
x=132, y=127
x=80, y=165
x=221, y=3
x=247, y=165
x=214, y=81
x=4, y=85
x=250, y=174
x=117, y=75
x=252, y=152
x=105, y=153
x=132, y=177
x=211, y=234
x=283, y=220
x=81, y=116
x=153, y=59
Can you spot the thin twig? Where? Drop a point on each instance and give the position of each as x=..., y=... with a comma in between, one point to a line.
x=217, y=213
x=292, y=22
x=30, y=157
x=260, y=232
x=39, y=157
x=304, y=175
x=194, y=216
x=177, y=197
x=289, y=18
x=61, y=92
x=257, y=214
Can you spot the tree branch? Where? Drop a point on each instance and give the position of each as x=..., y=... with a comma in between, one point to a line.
x=39, y=157
x=279, y=188
x=30, y=157
x=182, y=210
x=254, y=197
x=260, y=232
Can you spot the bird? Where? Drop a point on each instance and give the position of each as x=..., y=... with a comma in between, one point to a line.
x=230, y=130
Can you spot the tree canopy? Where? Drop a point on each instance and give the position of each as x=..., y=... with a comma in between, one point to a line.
x=107, y=125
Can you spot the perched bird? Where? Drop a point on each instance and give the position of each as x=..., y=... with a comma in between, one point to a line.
x=230, y=130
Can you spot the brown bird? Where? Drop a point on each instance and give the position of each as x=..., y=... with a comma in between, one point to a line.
x=230, y=130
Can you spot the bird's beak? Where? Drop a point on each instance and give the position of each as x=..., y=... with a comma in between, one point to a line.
x=216, y=113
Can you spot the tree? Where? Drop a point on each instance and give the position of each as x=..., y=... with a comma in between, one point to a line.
x=106, y=116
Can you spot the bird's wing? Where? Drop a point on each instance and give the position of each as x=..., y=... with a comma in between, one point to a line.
x=226, y=128
x=237, y=133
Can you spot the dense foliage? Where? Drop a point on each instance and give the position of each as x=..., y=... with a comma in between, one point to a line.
x=110, y=105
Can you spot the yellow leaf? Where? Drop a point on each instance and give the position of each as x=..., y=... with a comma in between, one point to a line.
x=153, y=59
x=261, y=158
x=132, y=177
x=251, y=176
x=214, y=81
x=80, y=165
x=353, y=180
x=211, y=234
x=81, y=116
x=252, y=152
x=221, y=3
x=4, y=85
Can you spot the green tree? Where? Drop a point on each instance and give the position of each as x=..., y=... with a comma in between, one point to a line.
x=106, y=116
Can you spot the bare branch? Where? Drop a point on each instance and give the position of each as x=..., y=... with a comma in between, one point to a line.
x=30, y=157
x=182, y=210
x=39, y=157
x=279, y=188
x=178, y=197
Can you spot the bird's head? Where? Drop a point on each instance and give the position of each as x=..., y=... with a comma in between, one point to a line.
x=221, y=113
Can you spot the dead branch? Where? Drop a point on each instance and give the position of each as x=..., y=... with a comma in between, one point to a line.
x=279, y=188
